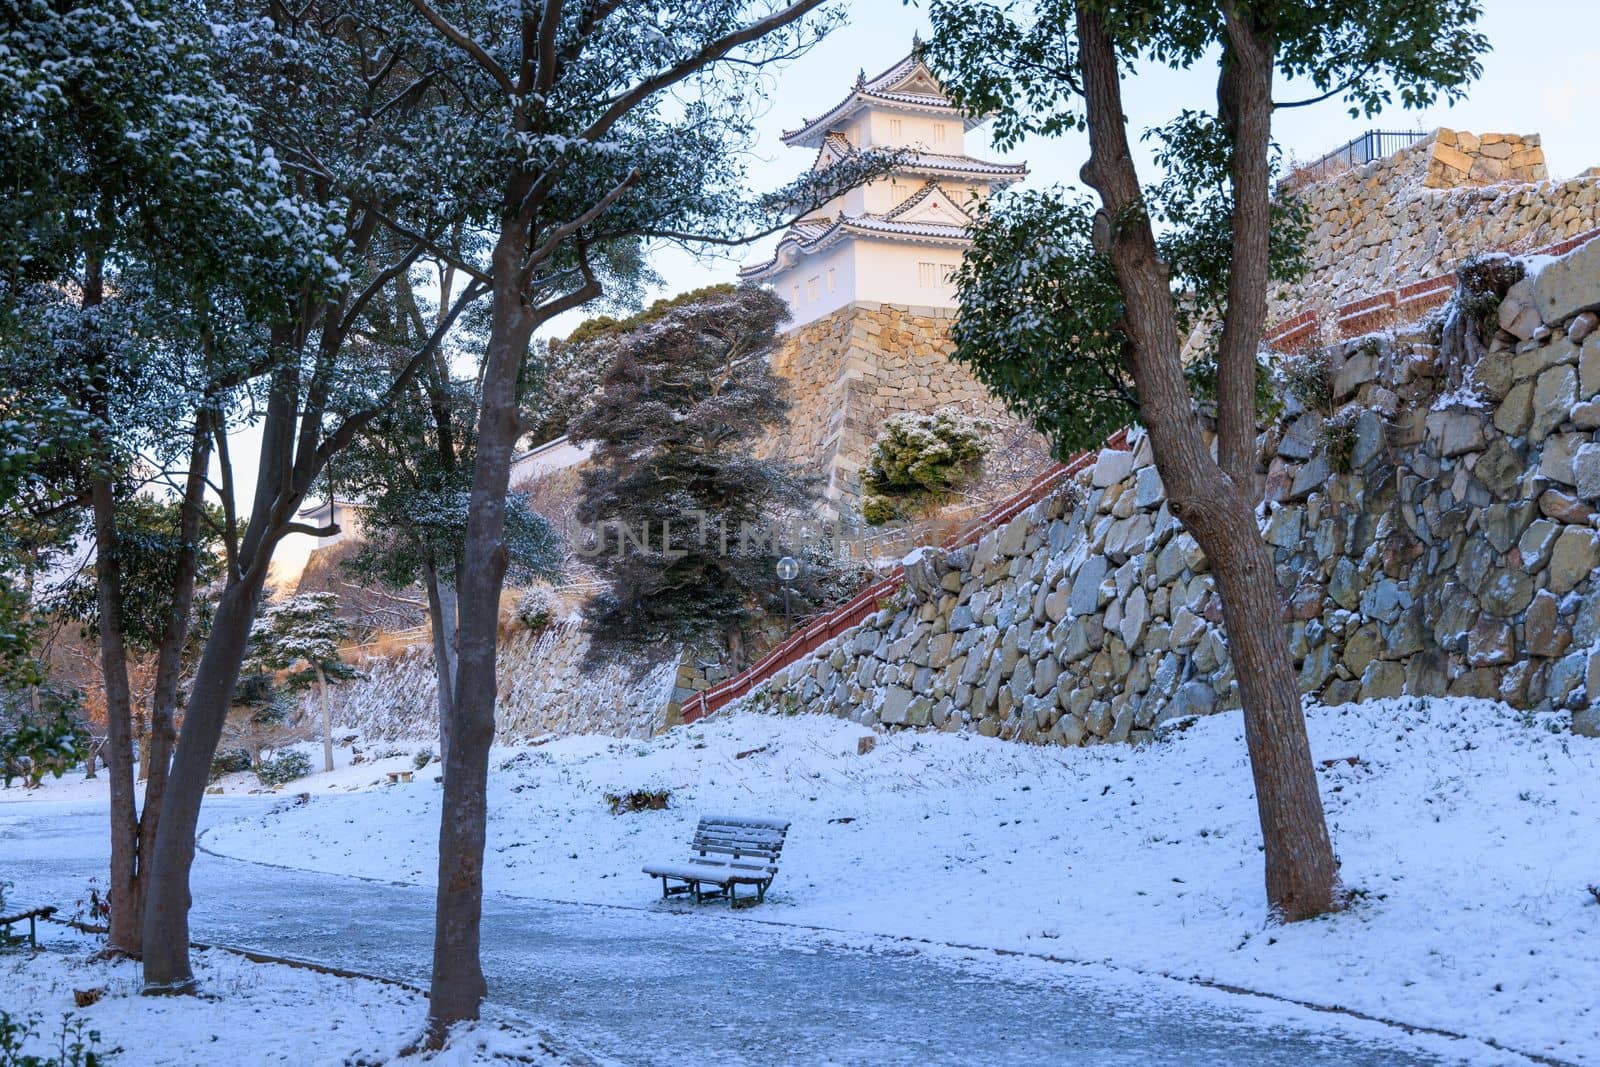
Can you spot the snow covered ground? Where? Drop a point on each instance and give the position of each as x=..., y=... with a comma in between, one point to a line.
x=263, y=1013
x=1466, y=830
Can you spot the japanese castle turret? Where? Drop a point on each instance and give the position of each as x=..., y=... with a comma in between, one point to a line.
x=897, y=239
x=868, y=276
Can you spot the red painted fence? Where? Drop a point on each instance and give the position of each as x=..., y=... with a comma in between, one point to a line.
x=1403, y=304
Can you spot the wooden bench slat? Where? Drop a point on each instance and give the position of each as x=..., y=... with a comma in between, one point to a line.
x=726, y=851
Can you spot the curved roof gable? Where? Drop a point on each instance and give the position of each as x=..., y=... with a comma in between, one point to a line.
x=908, y=85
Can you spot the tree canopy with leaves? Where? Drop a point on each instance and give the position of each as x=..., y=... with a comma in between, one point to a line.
x=688, y=393
x=1119, y=297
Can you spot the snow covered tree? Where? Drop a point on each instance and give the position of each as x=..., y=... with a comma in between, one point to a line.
x=302, y=635
x=918, y=459
x=685, y=507
x=1115, y=292
x=141, y=229
x=411, y=468
x=581, y=142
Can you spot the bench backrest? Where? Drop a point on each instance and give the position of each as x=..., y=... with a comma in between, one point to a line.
x=740, y=843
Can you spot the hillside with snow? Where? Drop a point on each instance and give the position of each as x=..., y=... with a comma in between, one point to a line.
x=1465, y=832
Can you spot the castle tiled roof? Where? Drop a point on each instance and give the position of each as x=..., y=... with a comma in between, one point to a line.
x=817, y=233
x=889, y=89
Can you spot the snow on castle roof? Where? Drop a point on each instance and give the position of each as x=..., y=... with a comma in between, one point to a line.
x=908, y=85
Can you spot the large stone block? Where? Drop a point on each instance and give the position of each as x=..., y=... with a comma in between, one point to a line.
x=1570, y=284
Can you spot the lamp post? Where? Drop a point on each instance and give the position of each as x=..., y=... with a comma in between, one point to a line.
x=788, y=571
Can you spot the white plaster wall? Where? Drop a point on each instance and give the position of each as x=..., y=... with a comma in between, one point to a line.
x=791, y=287
x=889, y=274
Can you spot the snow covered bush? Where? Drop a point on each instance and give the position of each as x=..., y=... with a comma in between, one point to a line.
x=918, y=459
x=536, y=607
x=229, y=761
x=285, y=767
x=638, y=800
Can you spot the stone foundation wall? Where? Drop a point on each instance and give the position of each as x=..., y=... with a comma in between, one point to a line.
x=849, y=371
x=543, y=689
x=1434, y=531
x=1417, y=213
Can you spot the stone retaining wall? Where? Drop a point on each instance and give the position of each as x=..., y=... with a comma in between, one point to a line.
x=544, y=689
x=1419, y=212
x=850, y=370
x=1433, y=525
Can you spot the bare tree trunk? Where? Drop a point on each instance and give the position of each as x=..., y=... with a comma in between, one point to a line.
x=458, y=984
x=442, y=625
x=126, y=924
x=142, y=734
x=1218, y=509
x=169, y=655
x=166, y=919
x=327, y=722
x=121, y=895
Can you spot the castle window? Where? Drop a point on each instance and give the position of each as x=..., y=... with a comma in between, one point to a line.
x=938, y=133
x=811, y=288
x=933, y=275
x=797, y=296
x=896, y=130
x=830, y=280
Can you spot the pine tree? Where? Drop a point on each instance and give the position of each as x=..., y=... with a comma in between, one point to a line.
x=688, y=394
x=302, y=636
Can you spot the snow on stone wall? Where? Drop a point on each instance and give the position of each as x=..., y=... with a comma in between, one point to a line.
x=544, y=689
x=1434, y=528
x=1415, y=214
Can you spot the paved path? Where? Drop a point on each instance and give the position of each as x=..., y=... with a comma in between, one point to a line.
x=664, y=987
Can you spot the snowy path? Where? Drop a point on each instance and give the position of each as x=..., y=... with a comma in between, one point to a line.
x=652, y=987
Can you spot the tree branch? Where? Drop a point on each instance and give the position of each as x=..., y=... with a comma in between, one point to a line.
x=712, y=52
x=467, y=45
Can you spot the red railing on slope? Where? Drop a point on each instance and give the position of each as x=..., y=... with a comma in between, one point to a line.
x=1401, y=304
x=818, y=632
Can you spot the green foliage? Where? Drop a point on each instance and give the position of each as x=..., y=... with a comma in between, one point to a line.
x=1339, y=439
x=302, y=635
x=229, y=761
x=423, y=757
x=638, y=800
x=1018, y=62
x=49, y=742
x=918, y=459
x=1041, y=313
x=75, y=1046
x=684, y=401
x=285, y=767
x=1482, y=282
x=1039, y=319
x=1309, y=378
x=535, y=607
x=150, y=540
x=606, y=326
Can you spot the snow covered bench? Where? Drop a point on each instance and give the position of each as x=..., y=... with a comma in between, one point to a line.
x=727, y=852
x=33, y=915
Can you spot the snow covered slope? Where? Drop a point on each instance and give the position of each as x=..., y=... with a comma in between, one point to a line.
x=1465, y=829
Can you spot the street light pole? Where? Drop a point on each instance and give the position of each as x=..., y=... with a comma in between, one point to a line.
x=788, y=571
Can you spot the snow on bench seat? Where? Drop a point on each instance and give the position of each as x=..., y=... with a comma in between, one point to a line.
x=727, y=850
